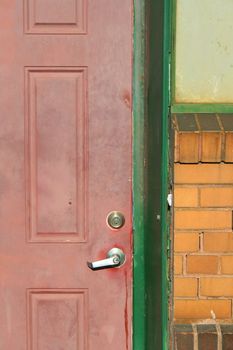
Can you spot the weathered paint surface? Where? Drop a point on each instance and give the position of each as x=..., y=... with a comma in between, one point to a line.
x=204, y=51
x=65, y=163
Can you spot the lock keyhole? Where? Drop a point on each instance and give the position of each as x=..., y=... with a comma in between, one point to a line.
x=116, y=219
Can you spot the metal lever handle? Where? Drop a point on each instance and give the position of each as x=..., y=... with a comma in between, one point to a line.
x=115, y=258
x=110, y=262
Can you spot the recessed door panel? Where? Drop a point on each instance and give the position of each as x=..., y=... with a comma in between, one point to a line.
x=56, y=153
x=57, y=318
x=55, y=16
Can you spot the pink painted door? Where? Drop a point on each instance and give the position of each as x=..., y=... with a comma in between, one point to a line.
x=65, y=164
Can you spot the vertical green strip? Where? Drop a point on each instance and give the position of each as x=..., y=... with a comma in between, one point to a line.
x=156, y=175
x=151, y=99
x=165, y=167
x=138, y=176
x=153, y=185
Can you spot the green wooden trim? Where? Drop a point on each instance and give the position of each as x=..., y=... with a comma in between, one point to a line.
x=151, y=98
x=202, y=108
x=156, y=174
x=139, y=293
x=165, y=170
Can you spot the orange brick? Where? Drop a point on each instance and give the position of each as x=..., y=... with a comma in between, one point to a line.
x=211, y=146
x=188, y=147
x=176, y=146
x=186, y=242
x=185, y=287
x=197, y=309
x=178, y=265
x=228, y=147
x=217, y=197
x=227, y=265
x=208, y=219
x=202, y=264
x=204, y=173
x=218, y=242
x=185, y=197
x=217, y=287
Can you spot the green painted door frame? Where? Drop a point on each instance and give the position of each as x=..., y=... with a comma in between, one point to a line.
x=151, y=96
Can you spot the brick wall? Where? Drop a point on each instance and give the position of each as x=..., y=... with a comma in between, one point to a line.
x=203, y=242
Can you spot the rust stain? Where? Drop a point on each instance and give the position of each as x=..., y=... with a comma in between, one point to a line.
x=127, y=98
x=126, y=313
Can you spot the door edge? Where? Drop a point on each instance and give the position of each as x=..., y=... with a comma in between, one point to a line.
x=139, y=112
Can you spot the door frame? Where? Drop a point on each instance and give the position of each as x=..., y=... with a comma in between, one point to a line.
x=151, y=97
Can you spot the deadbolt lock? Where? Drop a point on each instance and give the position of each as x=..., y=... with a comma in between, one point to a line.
x=116, y=219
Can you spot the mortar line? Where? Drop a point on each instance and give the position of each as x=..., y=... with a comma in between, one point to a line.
x=219, y=333
x=195, y=337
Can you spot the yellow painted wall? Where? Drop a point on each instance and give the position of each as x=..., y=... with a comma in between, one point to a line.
x=204, y=51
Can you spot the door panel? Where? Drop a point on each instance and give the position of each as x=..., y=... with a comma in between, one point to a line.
x=55, y=16
x=65, y=164
x=56, y=170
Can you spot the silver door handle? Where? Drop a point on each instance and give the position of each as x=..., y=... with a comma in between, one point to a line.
x=115, y=258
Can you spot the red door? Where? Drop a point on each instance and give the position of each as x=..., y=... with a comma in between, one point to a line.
x=65, y=164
